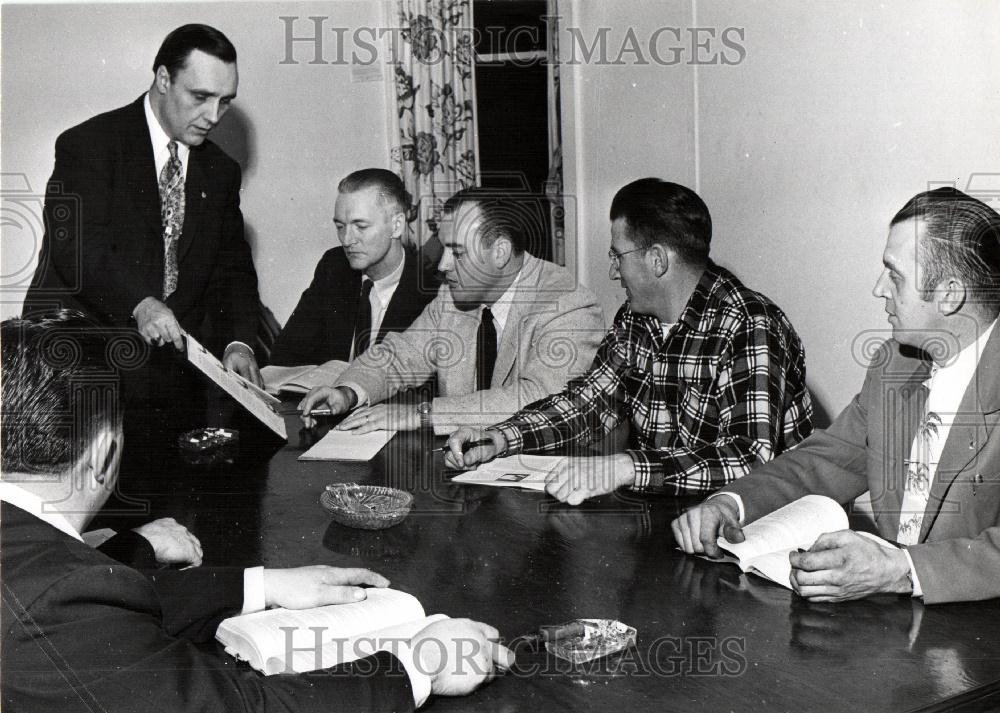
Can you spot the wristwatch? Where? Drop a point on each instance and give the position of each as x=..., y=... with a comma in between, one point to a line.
x=424, y=409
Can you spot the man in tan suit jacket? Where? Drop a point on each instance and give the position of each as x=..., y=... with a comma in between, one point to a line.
x=506, y=330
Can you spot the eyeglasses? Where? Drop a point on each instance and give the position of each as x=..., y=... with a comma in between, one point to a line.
x=616, y=257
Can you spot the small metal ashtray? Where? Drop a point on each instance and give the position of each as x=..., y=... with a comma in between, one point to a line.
x=369, y=507
x=209, y=446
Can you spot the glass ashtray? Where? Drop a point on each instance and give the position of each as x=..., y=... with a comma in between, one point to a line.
x=600, y=637
x=209, y=446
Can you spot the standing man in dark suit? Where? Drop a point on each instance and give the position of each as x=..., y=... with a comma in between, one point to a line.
x=368, y=287
x=81, y=632
x=143, y=222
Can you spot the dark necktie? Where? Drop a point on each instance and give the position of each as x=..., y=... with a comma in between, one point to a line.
x=486, y=350
x=171, y=215
x=363, y=322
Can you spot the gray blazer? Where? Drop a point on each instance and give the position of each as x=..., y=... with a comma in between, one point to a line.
x=551, y=335
x=958, y=554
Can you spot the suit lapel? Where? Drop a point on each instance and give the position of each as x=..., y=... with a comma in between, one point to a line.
x=195, y=195
x=403, y=293
x=978, y=414
x=521, y=305
x=141, y=170
x=903, y=418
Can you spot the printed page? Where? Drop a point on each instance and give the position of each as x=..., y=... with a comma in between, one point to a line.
x=521, y=471
x=348, y=445
x=346, y=649
x=260, y=636
x=795, y=525
x=255, y=400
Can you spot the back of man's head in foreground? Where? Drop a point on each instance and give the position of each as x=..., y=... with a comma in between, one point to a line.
x=60, y=390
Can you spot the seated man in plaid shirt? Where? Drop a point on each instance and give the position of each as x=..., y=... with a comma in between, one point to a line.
x=710, y=375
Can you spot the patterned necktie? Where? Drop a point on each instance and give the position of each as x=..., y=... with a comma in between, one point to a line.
x=917, y=489
x=172, y=216
x=486, y=350
x=363, y=320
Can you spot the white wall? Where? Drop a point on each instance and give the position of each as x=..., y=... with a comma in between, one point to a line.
x=837, y=115
x=296, y=129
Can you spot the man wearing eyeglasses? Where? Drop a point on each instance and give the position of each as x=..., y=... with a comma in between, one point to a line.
x=709, y=374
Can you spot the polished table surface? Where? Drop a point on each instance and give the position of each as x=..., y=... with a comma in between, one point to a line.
x=709, y=638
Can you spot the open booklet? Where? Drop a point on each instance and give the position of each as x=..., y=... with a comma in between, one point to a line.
x=301, y=379
x=770, y=539
x=518, y=471
x=300, y=640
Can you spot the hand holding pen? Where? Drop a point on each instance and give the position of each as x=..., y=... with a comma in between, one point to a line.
x=468, y=447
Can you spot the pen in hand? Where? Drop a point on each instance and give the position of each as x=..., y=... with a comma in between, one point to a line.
x=468, y=446
x=314, y=412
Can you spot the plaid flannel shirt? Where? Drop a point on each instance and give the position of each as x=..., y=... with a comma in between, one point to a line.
x=723, y=391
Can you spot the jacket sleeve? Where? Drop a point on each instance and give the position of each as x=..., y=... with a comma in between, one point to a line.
x=92, y=638
x=556, y=346
x=80, y=242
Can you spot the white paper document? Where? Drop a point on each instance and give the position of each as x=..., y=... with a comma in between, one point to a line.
x=301, y=379
x=519, y=471
x=255, y=400
x=347, y=445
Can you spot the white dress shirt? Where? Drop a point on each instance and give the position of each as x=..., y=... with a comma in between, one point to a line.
x=382, y=291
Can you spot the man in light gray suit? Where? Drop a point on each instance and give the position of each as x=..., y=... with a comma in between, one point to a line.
x=506, y=330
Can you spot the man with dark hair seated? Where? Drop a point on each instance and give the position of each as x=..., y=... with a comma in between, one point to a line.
x=371, y=285
x=709, y=374
x=83, y=632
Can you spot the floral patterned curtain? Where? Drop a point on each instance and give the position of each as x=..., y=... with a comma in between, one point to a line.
x=434, y=148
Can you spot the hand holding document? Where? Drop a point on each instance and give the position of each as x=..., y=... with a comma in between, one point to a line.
x=254, y=399
x=301, y=379
x=520, y=471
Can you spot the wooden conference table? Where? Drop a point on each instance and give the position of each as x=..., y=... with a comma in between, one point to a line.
x=710, y=639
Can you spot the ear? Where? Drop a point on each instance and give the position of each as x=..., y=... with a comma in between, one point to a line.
x=502, y=251
x=658, y=257
x=951, y=295
x=398, y=225
x=161, y=80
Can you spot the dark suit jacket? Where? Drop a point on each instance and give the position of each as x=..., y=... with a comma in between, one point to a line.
x=322, y=326
x=102, y=251
x=958, y=554
x=83, y=633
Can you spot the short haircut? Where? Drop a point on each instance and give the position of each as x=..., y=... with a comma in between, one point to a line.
x=658, y=211
x=961, y=239
x=59, y=389
x=510, y=214
x=174, y=51
x=389, y=186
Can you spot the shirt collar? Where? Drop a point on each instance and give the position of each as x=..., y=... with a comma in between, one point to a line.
x=385, y=286
x=160, y=139
x=694, y=311
x=963, y=365
x=501, y=308
x=34, y=505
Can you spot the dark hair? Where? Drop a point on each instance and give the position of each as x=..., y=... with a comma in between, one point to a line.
x=389, y=186
x=174, y=51
x=961, y=239
x=506, y=214
x=58, y=390
x=658, y=211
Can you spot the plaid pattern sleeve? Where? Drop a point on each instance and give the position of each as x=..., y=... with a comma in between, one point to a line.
x=722, y=390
